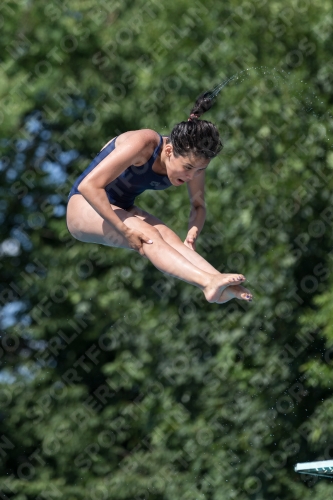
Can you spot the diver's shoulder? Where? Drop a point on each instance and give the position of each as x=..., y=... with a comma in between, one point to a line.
x=146, y=137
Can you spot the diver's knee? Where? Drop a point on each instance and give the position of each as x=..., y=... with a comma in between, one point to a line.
x=169, y=236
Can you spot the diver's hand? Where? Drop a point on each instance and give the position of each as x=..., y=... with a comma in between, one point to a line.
x=191, y=239
x=136, y=240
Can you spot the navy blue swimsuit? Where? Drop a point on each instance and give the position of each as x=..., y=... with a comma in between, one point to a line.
x=129, y=184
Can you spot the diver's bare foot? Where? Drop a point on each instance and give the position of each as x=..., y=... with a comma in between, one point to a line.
x=218, y=283
x=235, y=292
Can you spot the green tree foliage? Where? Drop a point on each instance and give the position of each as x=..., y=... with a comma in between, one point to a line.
x=116, y=381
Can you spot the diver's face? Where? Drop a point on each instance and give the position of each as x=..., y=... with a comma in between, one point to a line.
x=183, y=169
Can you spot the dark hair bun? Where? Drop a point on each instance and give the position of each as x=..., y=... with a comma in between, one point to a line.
x=202, y=104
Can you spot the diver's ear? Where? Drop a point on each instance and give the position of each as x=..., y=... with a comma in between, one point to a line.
x=168, y=149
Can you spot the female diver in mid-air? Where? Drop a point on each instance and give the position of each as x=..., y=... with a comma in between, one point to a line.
x=101, y=203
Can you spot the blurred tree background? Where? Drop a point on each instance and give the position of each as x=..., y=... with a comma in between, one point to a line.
x=117, y=382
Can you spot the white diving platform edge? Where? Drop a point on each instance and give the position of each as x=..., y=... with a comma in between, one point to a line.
x=322, y=468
